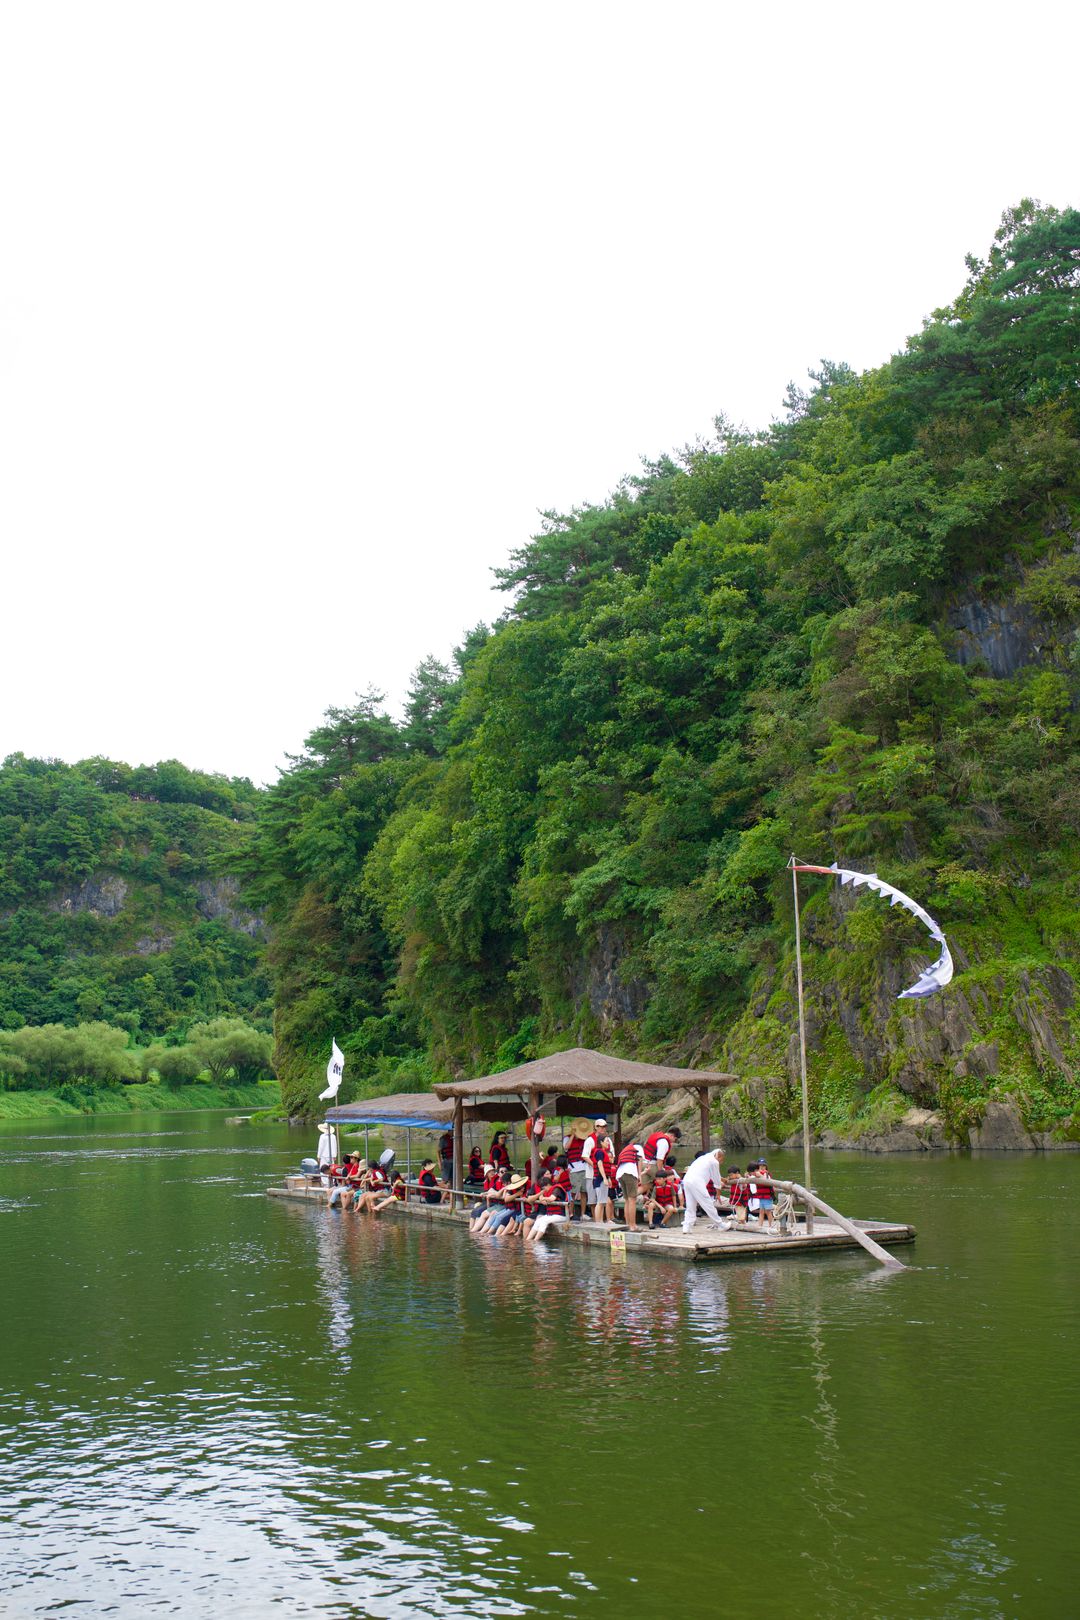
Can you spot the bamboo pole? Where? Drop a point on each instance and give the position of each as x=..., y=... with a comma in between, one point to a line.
x=703, y=1110
x=534, y=1146
x=812, y=1200
x=458, y=1177
x=802, y=1049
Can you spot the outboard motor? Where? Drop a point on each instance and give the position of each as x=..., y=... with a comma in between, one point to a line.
x=386, y=1159
x=310, y=1168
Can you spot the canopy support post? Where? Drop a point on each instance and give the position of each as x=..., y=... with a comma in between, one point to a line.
x=703, y=1109
x=458, y=1179
x=408, y=1156
x=367, y=1148
x=802, y=1051
x=534, y=1145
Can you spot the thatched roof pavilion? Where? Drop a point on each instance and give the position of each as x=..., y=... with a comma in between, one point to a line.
x=579, y=1081
x=581, y=1069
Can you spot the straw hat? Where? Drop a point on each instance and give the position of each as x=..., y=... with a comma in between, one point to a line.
x=516, y=1183
x=581, y=1126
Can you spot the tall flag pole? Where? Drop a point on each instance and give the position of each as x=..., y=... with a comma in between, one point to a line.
x=807, y=1183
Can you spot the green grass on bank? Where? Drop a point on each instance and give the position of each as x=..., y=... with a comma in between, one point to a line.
x=147, y=1098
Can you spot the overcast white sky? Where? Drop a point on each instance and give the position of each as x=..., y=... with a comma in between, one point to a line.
x=306, y=310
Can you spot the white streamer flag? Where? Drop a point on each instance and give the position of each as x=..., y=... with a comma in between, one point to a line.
x=334, y=1070
x=931, y=979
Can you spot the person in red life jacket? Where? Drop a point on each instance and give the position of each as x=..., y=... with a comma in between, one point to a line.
x=474, y=1175
x=430, y=1190
x=762, y=1197
x=336, y=1174
x=446, y=1157
x=672, y=1165
x=661, y=1143
x=354, y=1177
x=371, y=1188
x=500, y=1153
x=396, y=1195
x=533, y=1193
x=491, y=1196
x=596, y=1156
x=552, y=1204
x=574, y=1149
x=738, y=1193
x=506, y=1222
x=628, y=1166
x=548, y=1163
x=607, y=1149
x=662, y=1204
x=561, y=1177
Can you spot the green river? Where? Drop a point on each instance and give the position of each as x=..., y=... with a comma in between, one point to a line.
x=215, y=1403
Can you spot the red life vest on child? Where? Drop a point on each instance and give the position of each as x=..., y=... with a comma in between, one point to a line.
x=499, y=1156
x=629, y=1155
x=664, y=1192
x=652, y=1142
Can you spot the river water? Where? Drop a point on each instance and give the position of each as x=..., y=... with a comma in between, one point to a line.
x=213, y=1403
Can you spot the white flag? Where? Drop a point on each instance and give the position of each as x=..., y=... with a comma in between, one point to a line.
x=334, y=1070
x=932, y=978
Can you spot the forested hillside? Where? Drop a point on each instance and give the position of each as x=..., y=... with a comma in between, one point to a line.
x=853, y=635
x=116, y=903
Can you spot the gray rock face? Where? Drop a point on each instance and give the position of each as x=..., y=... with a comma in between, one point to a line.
x=1002, y=1129
x=102, y=895
x=614, y=996
x=218, y=900
x=1006, y=636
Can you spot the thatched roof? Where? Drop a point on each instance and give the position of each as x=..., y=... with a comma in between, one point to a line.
x=581, y=1070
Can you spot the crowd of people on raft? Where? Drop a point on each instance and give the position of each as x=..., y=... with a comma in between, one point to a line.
x=640, y=1183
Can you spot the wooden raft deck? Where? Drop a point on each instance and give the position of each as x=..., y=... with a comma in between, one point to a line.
x=670, y=1243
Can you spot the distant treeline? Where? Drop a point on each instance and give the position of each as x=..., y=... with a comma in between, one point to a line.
x=756, y=644
x=45, y=1057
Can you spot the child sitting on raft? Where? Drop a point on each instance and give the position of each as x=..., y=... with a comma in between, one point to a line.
x=662, y=1204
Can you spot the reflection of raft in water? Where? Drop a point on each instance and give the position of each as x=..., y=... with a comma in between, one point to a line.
x=704, y=1243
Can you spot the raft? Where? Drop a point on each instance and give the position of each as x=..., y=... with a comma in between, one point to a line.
x=703, y=1245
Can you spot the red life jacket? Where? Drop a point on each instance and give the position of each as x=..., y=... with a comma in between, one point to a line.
x=446, y=1145
x=601, y=1160
x=664, y=1192
x=399, y=1190
x=652, y=1141
x=575, y=1148
x=561, y=1179
x=629, y=1155
x=500, y=1155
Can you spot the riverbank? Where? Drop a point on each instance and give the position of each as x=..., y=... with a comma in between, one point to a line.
x=145, y=1098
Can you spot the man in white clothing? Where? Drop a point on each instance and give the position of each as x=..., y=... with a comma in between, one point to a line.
x=703, y=1173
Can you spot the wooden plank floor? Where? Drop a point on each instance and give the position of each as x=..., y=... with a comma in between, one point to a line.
x=703, y=1244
